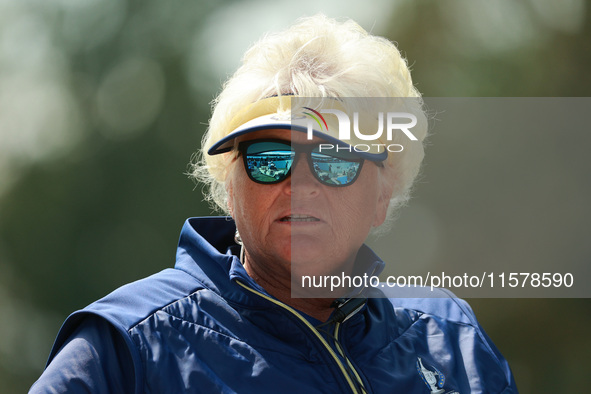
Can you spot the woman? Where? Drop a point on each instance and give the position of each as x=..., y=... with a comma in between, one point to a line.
x=235, y=315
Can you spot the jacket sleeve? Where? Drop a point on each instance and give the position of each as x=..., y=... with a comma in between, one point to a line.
x=93, y=359
x=511, y=387
x=462, y=337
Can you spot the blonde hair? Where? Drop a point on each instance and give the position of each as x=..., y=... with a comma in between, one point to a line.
x=316, y=57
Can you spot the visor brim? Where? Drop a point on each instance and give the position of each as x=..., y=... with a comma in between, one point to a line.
x=267, y=122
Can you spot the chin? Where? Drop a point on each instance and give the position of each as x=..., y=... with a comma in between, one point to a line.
x=314, y=243
x=306, y=263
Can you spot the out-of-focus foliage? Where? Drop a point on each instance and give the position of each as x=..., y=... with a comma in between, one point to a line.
x=102, y=104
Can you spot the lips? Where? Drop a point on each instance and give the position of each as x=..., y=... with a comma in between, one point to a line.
x=299, y=218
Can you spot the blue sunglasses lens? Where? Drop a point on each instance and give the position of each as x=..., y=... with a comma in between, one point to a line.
x=270, y=162
x=335, y=171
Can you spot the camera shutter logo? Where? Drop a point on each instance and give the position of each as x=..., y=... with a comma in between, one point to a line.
x=317, y=117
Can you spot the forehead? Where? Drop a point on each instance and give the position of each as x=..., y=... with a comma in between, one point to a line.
x=297, y=137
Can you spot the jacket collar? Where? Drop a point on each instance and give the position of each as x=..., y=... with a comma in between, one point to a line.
x=207, y=251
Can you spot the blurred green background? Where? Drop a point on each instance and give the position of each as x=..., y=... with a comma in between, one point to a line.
x=103, y=102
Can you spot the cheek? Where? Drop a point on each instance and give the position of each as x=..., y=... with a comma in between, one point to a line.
x=353, y=214
x=243, y=200
x=366, y=206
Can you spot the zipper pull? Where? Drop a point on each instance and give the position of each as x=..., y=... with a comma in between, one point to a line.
x=346, y=308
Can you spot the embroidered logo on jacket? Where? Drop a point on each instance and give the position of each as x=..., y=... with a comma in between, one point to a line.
x=434, y=379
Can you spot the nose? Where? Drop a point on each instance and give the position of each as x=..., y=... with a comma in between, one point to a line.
x=302, y=183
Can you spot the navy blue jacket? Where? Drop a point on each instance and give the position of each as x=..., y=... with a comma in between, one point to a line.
x=207, y=327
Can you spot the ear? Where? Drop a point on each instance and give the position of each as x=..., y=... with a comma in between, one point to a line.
x=230, y=192
x=383, y=201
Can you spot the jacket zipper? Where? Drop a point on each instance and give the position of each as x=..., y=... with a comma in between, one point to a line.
x=320, y=338
x=342, y=353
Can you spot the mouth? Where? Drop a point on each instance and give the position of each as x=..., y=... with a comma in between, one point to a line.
x=299, y=218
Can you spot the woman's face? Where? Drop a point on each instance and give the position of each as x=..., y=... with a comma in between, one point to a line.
x=299, y=223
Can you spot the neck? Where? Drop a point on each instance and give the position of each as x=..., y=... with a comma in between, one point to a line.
x=279, y=286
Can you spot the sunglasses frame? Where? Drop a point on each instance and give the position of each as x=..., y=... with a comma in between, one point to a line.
x=298, y=149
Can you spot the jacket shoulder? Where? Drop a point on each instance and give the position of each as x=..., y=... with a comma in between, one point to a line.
x=132, y=303
x=437, y=302
x=454, y=319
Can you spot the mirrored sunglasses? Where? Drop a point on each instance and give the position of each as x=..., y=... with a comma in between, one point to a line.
x=270, y=161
